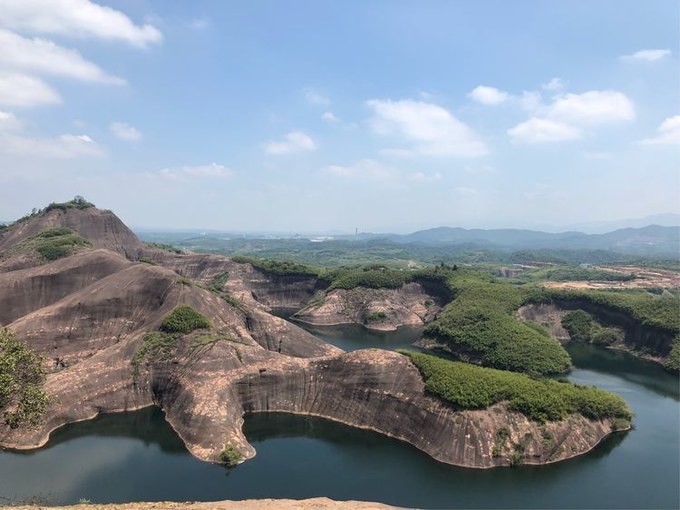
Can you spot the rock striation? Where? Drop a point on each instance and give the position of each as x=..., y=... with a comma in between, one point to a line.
x=379, y=309
x=89, y=315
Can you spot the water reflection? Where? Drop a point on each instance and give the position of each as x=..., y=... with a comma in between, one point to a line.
x=625, y=366
x=137, y=456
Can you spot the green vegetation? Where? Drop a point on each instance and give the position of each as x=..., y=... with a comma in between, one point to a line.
x=218, y=281
x=376, y=317
x=23, y=400
x=148, y=260
x=372, y=278
x=471, y=387
x=647, y=309
x=230, y=456
x=277, y=267
x=478, y=324
x=156, y=346
x=233, y=301
x=164, y=247
x=54, y=243
x=673, y=360
x=184, y=281
x=579, y=325
x=184, y=319
x=78, y=202
x=572, y=273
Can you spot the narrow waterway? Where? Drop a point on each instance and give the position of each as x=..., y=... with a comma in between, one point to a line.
x=136, y=456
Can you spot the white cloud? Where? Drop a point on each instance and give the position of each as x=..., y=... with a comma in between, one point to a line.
x=432, y=130
x=668, y=132
x=368, y=169
x=125, y=131
x=187, y=173
x=554, y=84
x=295, y=141
x=592, y=107
x=42, y=56
x=62, y=147
x=9, y=122
x=488, y=95
x=531, y=101
x=75, y=18
x=330, y=117
x=313, y=97
x=648, y=55
x=537, y=130
x=19, y=90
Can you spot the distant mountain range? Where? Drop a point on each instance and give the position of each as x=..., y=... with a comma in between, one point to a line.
x=650, y=240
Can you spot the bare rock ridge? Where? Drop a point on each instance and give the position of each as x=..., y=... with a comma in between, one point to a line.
x=90, y=315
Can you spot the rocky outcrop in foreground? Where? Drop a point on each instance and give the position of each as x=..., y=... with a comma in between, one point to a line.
x=90, y=314
x=247, y=504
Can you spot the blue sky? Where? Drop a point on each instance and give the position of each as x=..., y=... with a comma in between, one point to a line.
x=318, y=115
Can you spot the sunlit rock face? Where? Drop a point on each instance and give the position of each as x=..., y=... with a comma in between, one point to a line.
x=88, y=314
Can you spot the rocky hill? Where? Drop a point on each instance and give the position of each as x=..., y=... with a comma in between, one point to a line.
x=122, y=326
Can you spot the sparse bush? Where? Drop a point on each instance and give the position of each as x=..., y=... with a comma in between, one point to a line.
x=184, y=319
x=230, y=456
x=376, y=316
x=56, y=243
x=23, y=400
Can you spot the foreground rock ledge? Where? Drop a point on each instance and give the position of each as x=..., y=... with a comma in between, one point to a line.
x=205, y=399
x=265, y=504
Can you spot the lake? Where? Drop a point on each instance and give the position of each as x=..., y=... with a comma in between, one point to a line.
x=137, y=456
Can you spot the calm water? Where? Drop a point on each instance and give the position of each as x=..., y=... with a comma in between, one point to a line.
x=137, y=456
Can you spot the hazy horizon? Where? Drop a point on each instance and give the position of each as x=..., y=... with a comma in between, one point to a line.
x=315, y=117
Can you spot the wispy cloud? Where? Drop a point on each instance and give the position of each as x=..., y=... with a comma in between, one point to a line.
x=316, y=98
x=553, y=84
x=667, y=133
x=200, y=23
x=19, y=90
x=330, y=117
x=45, y=57
x=75, y=18
x=648, y=55
x=564, y=118
x=429, y=129
x=125, y=131
x=293, y=142
x=592, y=107
x=537, y=130
x=14, y=142
x=423, y=177
x=488, y=95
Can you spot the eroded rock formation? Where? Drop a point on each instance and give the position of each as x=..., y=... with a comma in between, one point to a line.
x=89, y=314
x=380, y=309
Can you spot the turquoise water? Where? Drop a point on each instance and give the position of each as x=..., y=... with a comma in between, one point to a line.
x=137, y=456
